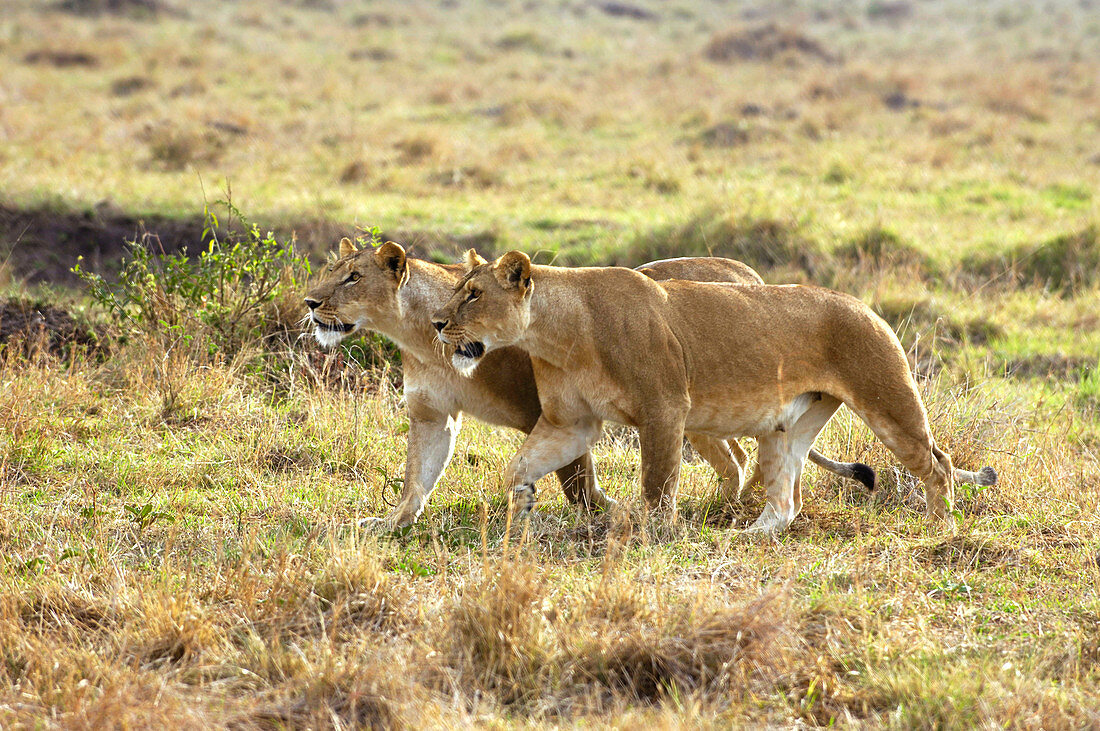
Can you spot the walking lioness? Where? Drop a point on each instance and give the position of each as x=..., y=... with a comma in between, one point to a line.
x=772, y=362
x=383, y=290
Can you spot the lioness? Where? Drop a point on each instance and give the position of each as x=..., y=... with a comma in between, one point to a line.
x=383, y=290
x=772, y=362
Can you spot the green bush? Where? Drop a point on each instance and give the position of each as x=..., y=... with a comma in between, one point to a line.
x=240, y=291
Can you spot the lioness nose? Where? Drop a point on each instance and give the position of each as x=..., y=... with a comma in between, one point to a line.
x=312, y=304
x=439, y=325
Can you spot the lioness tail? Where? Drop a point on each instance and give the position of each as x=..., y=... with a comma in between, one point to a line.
x=852, y=470
x=985, y=477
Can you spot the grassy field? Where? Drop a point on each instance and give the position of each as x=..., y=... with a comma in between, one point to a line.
x=178, y=509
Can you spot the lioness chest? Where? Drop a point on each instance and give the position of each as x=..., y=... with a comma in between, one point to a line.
x=501, y=391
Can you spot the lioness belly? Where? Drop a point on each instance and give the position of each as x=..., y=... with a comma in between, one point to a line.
x=732, y=417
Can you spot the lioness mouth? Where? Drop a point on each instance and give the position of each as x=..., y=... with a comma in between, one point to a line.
x=471, y=350
x=336, y=327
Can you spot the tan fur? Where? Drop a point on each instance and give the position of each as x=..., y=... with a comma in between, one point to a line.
x=772, y=362
x=395, y=296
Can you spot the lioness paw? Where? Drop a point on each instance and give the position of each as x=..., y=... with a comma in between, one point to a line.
x=523, y=499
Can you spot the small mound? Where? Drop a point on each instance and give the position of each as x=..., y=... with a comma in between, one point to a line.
x=726, y=650
x=35, y=325
x=1066, y=263
x=725, y=135
x=774, y=248
x=764, y=43
x=880, y=249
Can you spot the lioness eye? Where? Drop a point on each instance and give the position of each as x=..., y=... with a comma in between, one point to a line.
x=473, y=295
x=352, y=278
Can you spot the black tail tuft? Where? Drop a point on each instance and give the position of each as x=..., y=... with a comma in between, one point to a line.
x=864, y=474
x=987, y=476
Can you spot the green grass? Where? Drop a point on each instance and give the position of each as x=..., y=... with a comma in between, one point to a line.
x=559, y=126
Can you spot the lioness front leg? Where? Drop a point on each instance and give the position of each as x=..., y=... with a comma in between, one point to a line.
x=548, y=448
x=661, y=446
x=902, y=425
x=579, y=483
x=431, y=444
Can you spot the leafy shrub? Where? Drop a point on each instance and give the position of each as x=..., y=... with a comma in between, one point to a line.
x=241, y=290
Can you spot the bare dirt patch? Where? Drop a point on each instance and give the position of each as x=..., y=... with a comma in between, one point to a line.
x=132, y=8
x=61, y=59
x=38, y=325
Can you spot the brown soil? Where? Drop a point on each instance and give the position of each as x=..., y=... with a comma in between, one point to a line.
x=41, y=245
x=134, y=8
x=33, y=325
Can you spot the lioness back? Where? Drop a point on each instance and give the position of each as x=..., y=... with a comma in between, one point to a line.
x=701, y=269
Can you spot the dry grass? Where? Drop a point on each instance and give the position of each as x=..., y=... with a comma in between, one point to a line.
x=245, y=597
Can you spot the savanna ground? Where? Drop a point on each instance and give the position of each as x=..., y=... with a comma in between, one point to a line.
x=179, y=493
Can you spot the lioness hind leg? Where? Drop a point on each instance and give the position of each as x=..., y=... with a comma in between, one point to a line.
x=781, y=457
x=939, y=487
x=728, y=461
x=911, y=442
x=777, y=467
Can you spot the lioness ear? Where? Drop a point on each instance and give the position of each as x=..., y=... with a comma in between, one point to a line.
x=347, y=248
x=513, y=271
x=473, y=259
x=390, y=257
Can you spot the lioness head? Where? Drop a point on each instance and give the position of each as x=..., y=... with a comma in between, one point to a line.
x=358, y=290
x=489, y=309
